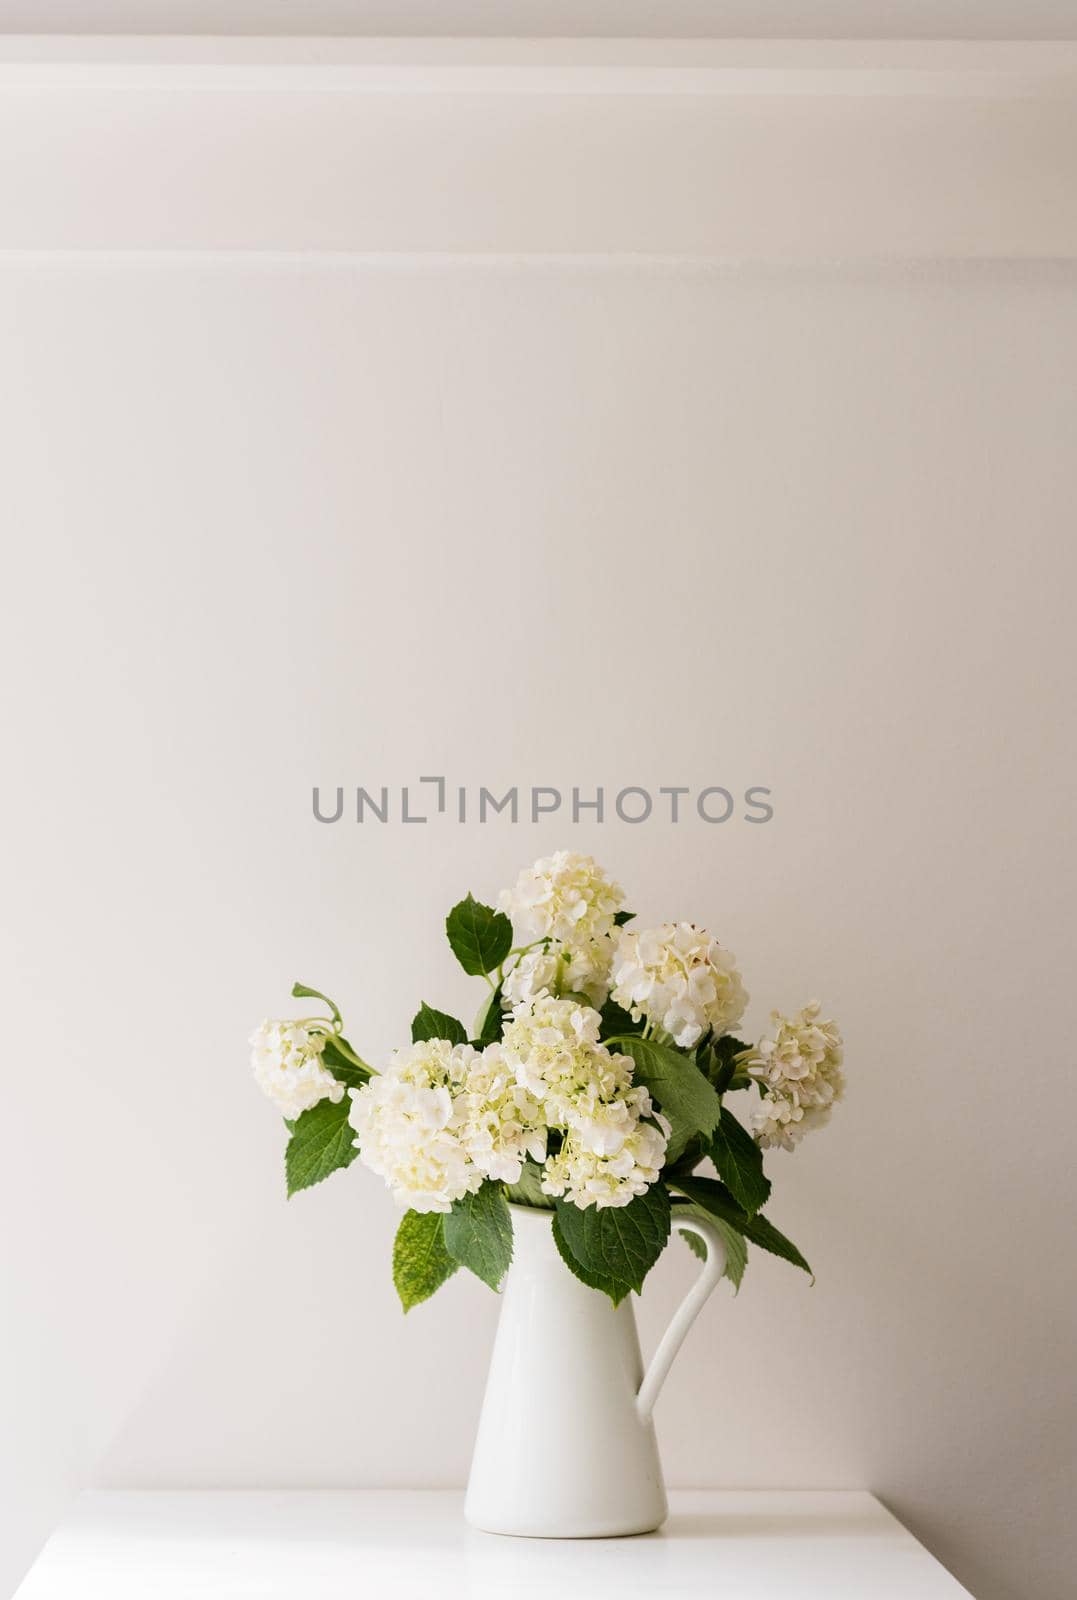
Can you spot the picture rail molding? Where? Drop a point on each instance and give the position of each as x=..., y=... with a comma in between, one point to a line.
x=765, y=151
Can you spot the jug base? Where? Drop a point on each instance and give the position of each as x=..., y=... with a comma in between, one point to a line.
x=614, y=1528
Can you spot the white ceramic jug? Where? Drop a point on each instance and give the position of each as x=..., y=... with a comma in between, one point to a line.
x=566, y=1446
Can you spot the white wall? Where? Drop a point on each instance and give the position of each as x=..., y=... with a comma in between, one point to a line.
x=275, y=524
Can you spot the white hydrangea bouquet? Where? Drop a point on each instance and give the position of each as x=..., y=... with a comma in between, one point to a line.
x=595, y=1085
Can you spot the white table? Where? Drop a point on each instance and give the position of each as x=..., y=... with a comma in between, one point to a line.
x=733, y=1544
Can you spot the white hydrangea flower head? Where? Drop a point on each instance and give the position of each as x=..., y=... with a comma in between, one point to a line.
x=558, y=969
x=287, y=1066
x=566, y=897
x=587, y=1178
x=503, y=1123
x=680, y=979
x=608, y=1153
x=603, y=1124
x=799, y=1064
x=552, y=1046
x=411, y=1125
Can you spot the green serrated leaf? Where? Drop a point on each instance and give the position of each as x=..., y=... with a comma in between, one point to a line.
x=739, y=1161
x=480, y=937
x=323, y=1140
x=761, y=1231
x=342, y=1068
x=716, y=1199
x=478, y=1234
x=676, y=1083
x=722, y=1061
x=489, y=1022
x=736, y=1250
x=528, y=1192
x=736, y=1253
x=421, y=1263
x=430, y=1024
x=619, y=1244
x=607, y=1286
x=300, y=991
x=616, y=1021
x=685, y=1160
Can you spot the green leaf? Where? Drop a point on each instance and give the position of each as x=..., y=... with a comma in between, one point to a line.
x=621, y=917
x=685, y=1160
x=430, y=1024
x=676, y=1083
x=736, y=1250
x=616, y=1021
x=528, y=1192
x=763, y=1233
x=300, y=991
x=342, y=1068
x=717, y=1060
x=481, y=937
x=739, y=1161
x=478, y=1233
x=608, y=1286
x=619, y=1244
x=716, y=1199
x=323, y=1140
x=489, y=1022
x=421, y=1263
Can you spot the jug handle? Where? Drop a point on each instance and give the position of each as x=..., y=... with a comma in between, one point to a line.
x=686, y=1312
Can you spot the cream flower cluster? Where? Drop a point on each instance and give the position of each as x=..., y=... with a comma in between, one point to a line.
x=587, y=1178
x=287, y=1066
x=680, y=980
x=503, y=1121
x=566, y=897
x=799, y=1065
x=560, y=969
x=567, y=901
x=609, y=1154
x=410, y=1123
x=442, y=1118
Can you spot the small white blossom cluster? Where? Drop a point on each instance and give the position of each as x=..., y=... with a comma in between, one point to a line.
x=566, y=901
x=410, y=1124
x=609, y=1154
x=287, y=1065
x=560, y=969
x=503, y=1121
x=680, y=980
x=566, y=897
x=799, y=1065
x=444, y=1117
